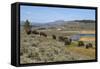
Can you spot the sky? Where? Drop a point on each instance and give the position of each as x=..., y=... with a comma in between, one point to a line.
x=49, y=14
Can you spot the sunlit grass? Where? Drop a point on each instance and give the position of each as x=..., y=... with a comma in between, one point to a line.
x=82, y=51
x=87, y=38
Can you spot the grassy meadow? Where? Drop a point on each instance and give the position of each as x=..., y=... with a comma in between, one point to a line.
x=39, y=49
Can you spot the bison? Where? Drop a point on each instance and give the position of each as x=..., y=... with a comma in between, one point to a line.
x=80, y=43
x=43, y=34
x=67, y=41
x=35, y=32
x=89, y=45
x=54, y=36
x=61, y=38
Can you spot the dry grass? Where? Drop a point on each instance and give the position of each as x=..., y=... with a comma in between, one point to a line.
x=83, y=51
x=37, y=49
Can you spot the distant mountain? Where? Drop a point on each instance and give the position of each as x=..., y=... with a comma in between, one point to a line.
x=85, y=21
x=58, y=22
x=61, y=23
x=49, y=24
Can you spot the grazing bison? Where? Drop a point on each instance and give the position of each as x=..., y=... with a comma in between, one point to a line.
x=67, y=41
x=89, y=45
x=43, y=34
x=61, y=38
x=35, y=32
x=70, y=40
x=80, y=43
x=54, y=36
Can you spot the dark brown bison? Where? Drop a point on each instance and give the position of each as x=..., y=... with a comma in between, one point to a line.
x=61, y=38
x=80, y=43
x=89, y=45
x=67, y=41
x=54, y=36
x=43, y=34
x=35, y=32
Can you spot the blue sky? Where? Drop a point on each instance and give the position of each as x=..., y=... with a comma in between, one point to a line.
x=50, y=14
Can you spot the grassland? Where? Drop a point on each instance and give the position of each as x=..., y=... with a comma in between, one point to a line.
x=35, y=48
x=38, y=49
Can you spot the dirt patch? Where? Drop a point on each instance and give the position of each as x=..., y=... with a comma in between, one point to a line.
x=87, y=39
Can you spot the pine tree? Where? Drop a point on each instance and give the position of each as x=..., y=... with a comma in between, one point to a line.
x=27, y=27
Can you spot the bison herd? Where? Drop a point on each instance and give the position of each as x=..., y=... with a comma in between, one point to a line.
x=66, y=40
x=88, y=45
